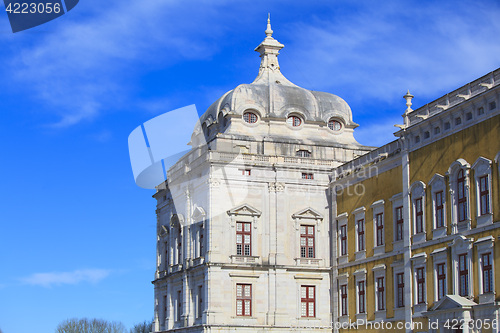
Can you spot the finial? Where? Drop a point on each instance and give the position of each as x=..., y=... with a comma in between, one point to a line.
x=269, y=31
x=408, y=98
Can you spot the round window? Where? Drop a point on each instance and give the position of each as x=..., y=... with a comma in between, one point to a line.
x=334, y=125
x=250, y=117
x=294, y=121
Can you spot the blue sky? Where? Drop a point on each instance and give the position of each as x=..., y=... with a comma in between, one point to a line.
x=77, y=236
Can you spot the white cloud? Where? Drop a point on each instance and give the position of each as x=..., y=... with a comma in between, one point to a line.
x=88, y=65
x=60, y=278
x=381, y=50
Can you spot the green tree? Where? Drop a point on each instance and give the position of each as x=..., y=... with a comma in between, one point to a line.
x=86, y=325
x=144, y=327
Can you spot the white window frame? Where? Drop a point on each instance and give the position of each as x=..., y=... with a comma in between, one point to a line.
x=397, y=201
x=342, y=220
x=343, y=279
x=482, y=167
x=378, y=208
x=379, y=271
x=245, y=214
x=439, y=256
x=417, y=191
x=359, y=214
x=360, y=276
x=485, y=245
x=461, y=245
x=398, y=268
x=419, y=260
x=438, y=184
x=452, y=174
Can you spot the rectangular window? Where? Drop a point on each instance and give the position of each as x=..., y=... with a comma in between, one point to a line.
x=484, y=195
x=361, y=234
x=165, y=260
x=420, y=285
x=399, y=223
x=179, y=306
x=487, y=273
x=380, y=228
x=361, y=297
x=307, y=176
x=463, y=275
x=179, y=253
x=202, y=244
x=462, y=199
x=380, y=294
x=246, y=172
x=243, y=299
x=199, y=311
x=308, y=301
x=165, y=313
x=441, y=280
x=419, y=216
x=439, y=207
x=343, y=240
x=306, y=241
x=243, y=239
x=400, y=293
x=343, y=299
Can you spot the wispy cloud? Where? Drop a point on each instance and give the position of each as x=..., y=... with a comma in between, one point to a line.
x=380, y=49
x=61, y=278
x=89, y=65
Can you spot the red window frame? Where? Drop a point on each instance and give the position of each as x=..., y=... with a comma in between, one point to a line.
x=307, y=175
x=461, y=197
x=439, y=207
x=484, y=195
x=343, y=240
x=246, y=172
x=308, y=301
x=343, y=299
x=441, y=280
x=399, y=223
x=243, y=238
x=401, y=290
x=250, y=117
x=419, y=216
x=361, y=234
x=294, y=121
x=463, y=275
x=380, y=293
x=379, y=218
x=243, y=299
x=334, y=125
x=487, y=273
x=361, y=297
x=420, y=285
x=307, y=248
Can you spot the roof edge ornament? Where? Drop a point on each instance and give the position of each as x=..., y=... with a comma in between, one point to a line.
x=269, y=31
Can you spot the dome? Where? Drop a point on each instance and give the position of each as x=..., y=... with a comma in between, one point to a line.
x=274, y=96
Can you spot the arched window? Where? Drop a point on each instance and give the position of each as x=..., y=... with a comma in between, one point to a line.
x=334, y=125
x=294, y=121
x=461, y=198
x=250, y=117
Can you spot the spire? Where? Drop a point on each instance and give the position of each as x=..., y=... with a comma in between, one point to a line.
x=269, y=31
x=269, y=50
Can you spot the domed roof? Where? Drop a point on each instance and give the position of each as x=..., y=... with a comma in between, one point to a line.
x=274, y=96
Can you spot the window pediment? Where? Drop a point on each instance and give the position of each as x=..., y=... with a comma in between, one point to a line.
x=308, y=213
x=453, y=302
x=437, y=182
x=245, y=210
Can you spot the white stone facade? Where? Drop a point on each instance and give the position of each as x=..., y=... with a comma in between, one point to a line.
x=243, y=237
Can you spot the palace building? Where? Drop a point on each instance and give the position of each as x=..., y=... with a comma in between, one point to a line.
x=277, y=220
